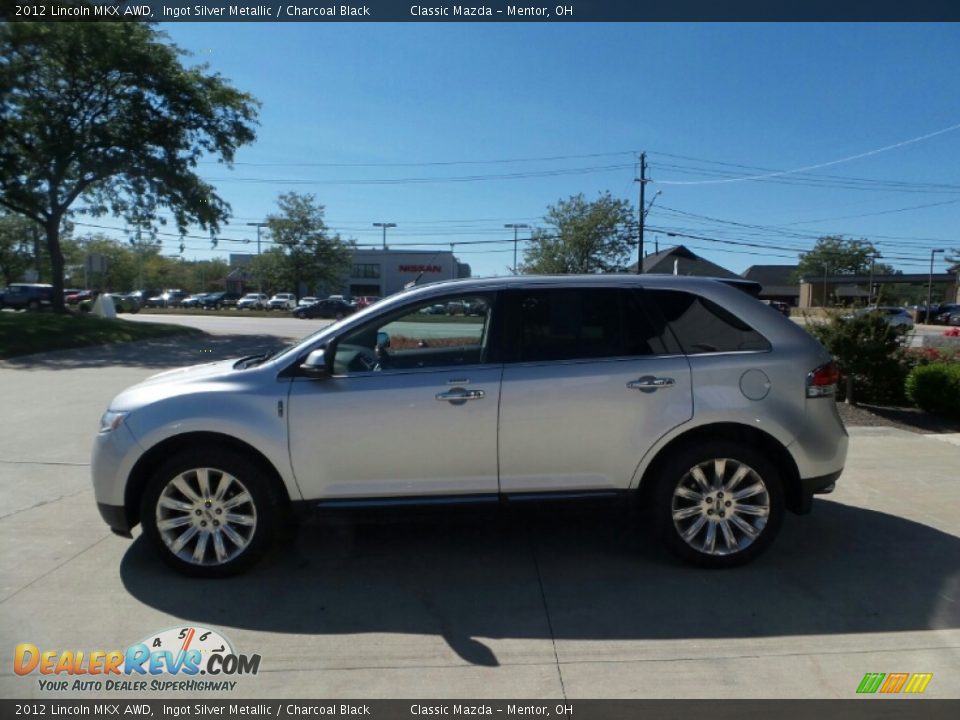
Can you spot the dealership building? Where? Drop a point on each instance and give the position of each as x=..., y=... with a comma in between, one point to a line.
x=384, y=272
x=372, y=272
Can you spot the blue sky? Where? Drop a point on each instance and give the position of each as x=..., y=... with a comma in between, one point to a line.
x=361, y=114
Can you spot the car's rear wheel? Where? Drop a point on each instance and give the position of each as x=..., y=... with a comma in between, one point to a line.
x=718, y=504
x=209, y=513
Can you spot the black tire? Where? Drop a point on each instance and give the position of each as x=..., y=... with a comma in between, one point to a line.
x=264, y=507
x=33, y=305
x=679, y=470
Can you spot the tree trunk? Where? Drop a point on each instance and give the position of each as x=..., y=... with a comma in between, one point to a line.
x=56, y=262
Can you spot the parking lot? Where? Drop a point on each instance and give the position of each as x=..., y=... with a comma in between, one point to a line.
x=566, y=604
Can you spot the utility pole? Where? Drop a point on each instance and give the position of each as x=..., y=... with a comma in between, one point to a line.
x=515, y=226
x=824, y=286
x=873, y=260
x=643, y=185
x=384, y=225
x=926, y=312
x=258, y=226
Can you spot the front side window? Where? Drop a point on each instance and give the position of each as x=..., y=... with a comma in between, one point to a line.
x=702, y=326
x=448, y=332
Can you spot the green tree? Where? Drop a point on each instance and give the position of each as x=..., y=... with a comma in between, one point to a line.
x=106, y=114
x=841, y=256
x=584, y=237
x=270, y=270
x=16, y=240
x=313, y=255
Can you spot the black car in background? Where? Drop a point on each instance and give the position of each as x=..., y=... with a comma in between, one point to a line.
x=329, y=308
x=27, y=296
x=217, y=300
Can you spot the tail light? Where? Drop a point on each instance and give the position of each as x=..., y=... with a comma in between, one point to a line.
x=822, y=381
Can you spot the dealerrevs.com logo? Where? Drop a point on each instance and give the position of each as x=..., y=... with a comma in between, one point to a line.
x=169, y=661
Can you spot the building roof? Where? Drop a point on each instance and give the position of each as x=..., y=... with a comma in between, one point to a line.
x=684, y=262
x=775, y=280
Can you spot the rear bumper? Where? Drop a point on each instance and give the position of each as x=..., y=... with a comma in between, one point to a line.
x=820, y=485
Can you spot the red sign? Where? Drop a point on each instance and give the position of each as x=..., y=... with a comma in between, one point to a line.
x=420, y=268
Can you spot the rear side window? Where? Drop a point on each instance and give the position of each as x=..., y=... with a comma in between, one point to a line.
x=576, y=324
x=702, y=326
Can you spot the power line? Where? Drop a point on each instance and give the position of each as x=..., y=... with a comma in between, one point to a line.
x=780, y=173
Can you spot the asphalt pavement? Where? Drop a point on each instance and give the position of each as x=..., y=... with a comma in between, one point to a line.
x=559, y=605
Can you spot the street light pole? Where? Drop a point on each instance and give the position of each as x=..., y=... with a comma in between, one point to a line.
x=515, y=226
x=258, y=225
x=926, y=312
x=384, y=225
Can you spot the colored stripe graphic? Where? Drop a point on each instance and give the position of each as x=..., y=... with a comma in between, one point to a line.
x=893, y=683
x=870, y=683
x=918, y=682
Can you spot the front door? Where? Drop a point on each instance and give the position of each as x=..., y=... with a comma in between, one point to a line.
x=410, y=409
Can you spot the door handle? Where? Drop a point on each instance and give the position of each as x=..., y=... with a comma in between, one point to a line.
x=648, y=383
x=461, y=395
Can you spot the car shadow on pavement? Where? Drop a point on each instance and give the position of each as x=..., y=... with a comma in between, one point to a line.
x=160, y=353
x=583, y=574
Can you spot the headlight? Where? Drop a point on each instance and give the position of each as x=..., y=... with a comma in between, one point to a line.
x=111, y=420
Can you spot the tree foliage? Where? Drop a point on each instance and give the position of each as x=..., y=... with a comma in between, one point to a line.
x=583, y=237
x=107, y=114
x=867, y=349
x=841, y=256
x=309, y=253
x=16, y=241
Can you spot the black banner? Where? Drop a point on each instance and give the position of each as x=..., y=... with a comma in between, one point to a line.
x=865, y=709
x=442, y=11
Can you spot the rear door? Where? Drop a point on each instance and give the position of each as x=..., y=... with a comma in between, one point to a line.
x=589, y=385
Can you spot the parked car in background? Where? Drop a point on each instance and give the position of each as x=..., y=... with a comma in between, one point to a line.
x=218, y=300
x=193, y=300
x=896, y=316
x=437, y=309
x=282, y=301
x=79, y=296
x=713, y=414
x=944, y=312
x=27, y=296
x=253, y=301
x=308, y=300
x=168, y=298
x=325, y=309
x=122, y=303
x=367, y=300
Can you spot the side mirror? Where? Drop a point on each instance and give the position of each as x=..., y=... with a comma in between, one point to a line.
x=315, y=366
x=383, y=340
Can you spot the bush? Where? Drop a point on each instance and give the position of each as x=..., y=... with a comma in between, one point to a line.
x=867, y=348
x=936, y=389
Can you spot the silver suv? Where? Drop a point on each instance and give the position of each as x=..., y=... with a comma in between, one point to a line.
x=712, y=410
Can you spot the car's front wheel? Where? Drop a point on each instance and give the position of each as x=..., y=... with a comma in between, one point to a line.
x=718, y=504
x=209, y=513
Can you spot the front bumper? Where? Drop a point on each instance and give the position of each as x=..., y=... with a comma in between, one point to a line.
x=116, y=517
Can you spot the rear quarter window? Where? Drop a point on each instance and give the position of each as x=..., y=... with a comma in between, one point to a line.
x=702, y=326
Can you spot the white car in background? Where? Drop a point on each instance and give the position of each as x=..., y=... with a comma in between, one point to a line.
x=252, y=301
x=282, y=301
x=308, y=300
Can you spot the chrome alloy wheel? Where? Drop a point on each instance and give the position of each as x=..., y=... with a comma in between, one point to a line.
x=721, y=497
x=206, y=516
